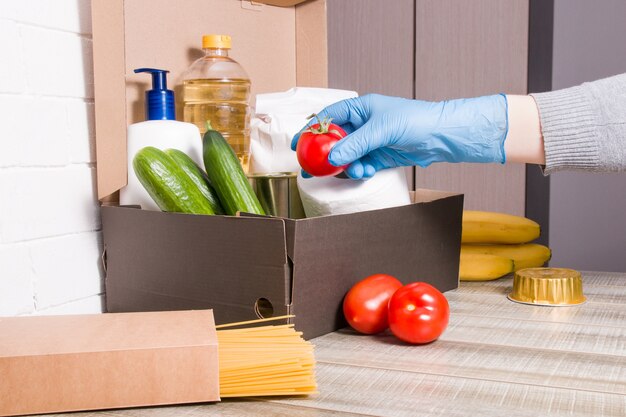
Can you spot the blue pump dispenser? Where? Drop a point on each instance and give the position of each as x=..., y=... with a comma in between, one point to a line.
x=159, y=100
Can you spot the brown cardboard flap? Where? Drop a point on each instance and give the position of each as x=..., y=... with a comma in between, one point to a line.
x=129, y=34
x=312, y=44
x=69, y=363
x=170, y=261
x=110, y=94
x=280, y=3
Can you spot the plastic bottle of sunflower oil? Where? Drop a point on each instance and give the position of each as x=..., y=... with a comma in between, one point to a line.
x=217, y=89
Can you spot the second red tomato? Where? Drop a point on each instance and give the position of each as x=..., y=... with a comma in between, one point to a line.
x=418, y=313
x=365, y=305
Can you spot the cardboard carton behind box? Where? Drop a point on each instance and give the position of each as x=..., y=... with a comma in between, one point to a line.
x=158, y=261
x=68, y=363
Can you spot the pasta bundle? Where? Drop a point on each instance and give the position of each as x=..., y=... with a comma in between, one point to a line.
x=264, y=360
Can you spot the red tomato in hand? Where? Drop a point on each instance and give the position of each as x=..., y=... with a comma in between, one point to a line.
x=418, y=313
x=365, y=305
x=314, y=146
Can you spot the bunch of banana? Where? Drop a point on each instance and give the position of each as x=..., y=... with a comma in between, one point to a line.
x=495, y=244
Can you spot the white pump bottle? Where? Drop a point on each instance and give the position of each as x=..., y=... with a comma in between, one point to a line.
x=161, y=131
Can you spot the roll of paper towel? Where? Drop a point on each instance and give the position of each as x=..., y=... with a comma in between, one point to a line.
x=323, y=196
x=279, y=116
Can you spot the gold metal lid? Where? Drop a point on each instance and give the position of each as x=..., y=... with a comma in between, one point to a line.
x=548, y=286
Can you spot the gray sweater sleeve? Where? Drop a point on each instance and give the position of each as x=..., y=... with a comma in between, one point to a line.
x=584, y=127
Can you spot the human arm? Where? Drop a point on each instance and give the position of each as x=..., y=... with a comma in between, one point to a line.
x=582, y=127
x=388, y=132
x=524, y=141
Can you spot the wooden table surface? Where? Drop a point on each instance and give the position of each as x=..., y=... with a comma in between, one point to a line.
x=497, y=358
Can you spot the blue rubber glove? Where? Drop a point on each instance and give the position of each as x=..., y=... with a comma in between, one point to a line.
x=387, y=132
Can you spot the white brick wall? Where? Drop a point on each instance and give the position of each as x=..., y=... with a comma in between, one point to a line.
x=60, y=265
x=50, y=244
x=16, y=287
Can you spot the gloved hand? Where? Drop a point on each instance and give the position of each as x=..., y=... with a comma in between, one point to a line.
x=387, y=132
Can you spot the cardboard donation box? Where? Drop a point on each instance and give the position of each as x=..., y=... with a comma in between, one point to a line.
x=244, y=267
x=68, y=363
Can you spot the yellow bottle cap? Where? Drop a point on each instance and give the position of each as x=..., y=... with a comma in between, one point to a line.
x=216, y=41
x=548, y=286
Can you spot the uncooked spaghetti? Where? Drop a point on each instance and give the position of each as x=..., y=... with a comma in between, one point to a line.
x=264, y=360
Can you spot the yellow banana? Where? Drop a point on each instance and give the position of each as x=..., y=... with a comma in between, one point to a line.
x=528, y=255
x=481, y=267
x=491, y=227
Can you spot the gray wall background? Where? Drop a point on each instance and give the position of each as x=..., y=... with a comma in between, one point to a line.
x=588, y=211
x=479, y=47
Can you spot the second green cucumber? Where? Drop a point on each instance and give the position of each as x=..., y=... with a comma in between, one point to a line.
x=227, y=177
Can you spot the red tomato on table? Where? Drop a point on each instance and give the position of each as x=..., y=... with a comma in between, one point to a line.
x=418, y=313
x=365, y=305
x=314, y=146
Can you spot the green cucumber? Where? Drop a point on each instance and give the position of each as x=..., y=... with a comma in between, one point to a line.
x=227, y=177
x=198, y=176
x=168, y=185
